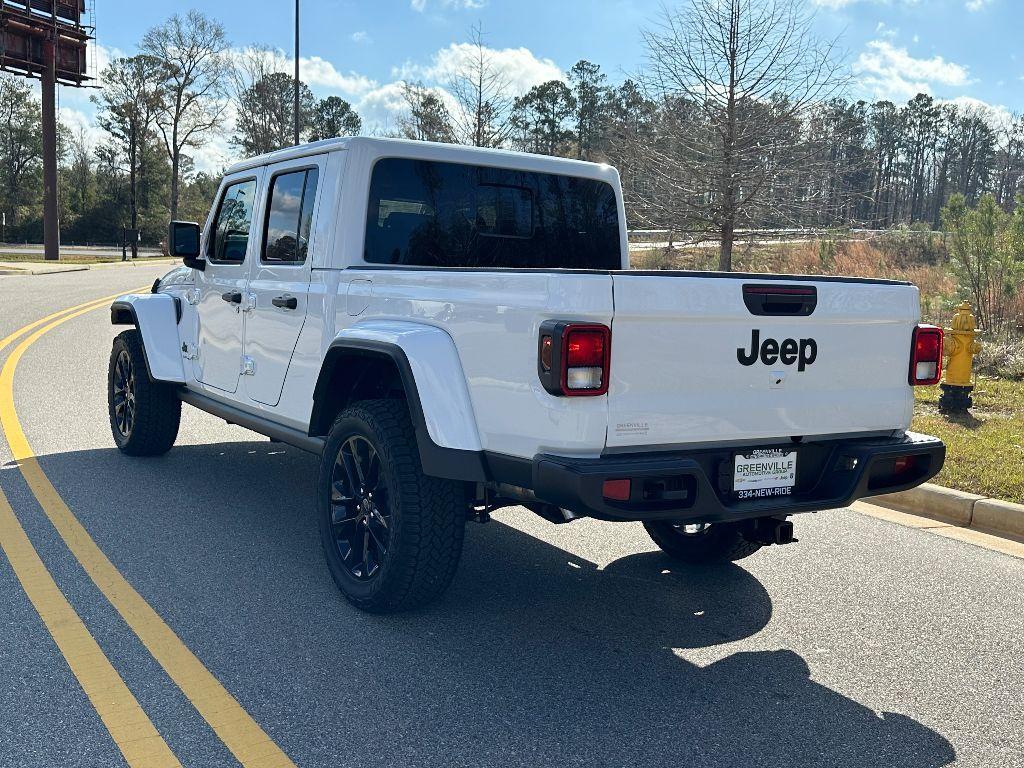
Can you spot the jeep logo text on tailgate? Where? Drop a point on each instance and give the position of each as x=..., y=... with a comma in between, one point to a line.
x=770, y=351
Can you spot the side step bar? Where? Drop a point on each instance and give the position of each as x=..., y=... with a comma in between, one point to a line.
x=232, y=415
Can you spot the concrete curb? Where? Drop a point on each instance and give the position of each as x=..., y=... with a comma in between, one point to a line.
x=966, y=510
x=1002, y=518
x=58, y=270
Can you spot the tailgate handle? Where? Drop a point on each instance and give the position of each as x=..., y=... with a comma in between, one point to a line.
x=780, y=300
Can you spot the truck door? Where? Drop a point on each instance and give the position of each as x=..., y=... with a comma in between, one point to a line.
x=221, y=286
x=279, y=285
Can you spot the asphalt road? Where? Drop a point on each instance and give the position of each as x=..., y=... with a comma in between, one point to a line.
x=865, y=644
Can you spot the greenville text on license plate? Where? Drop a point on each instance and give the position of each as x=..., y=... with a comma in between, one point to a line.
x=764, y=473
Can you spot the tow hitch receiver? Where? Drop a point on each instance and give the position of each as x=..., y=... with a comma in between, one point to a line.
x=769, y=530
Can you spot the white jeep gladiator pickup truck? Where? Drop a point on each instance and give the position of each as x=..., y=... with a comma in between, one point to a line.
x=453, y=330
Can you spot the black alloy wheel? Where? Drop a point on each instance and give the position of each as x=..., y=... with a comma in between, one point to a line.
x=391, y=534
x=124, y=394
x=144, y=414
x=360, y=514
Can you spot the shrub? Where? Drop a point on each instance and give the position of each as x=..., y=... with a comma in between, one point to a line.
x=917, y=244
x=987, y=255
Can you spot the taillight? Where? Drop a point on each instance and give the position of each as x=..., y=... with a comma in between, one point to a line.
x=573, y=358
x=904, y=464
x=926, y=356
x=616, y=490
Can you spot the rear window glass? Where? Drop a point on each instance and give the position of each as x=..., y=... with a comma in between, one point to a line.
x=430, y=214
x=289, y=217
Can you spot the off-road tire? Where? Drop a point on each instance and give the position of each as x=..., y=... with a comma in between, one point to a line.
x=721, y=542
x=427, y=514
x=156, y=407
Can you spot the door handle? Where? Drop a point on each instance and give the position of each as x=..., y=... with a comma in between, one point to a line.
x=285, y=302
x=232, y=297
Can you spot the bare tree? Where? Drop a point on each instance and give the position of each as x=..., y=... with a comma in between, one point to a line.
x=1011, y=161
x=81, y=172
x=263, y=90
x=128, y=104
x=739, y=77
x=484, y=95
x=429, y=118
x=193, y=52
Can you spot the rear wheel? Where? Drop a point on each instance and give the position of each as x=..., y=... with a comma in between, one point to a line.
x=144, y=414
x=701, y=542
x=392, y=536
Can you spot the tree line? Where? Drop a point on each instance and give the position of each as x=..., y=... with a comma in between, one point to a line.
x=737, y=120
x=155, y=109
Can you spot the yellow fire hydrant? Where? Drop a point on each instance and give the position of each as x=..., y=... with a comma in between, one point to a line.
x=961, y=347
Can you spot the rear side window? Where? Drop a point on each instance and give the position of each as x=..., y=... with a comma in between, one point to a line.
x=233, y=223
x=289, y=217
x=431, y=214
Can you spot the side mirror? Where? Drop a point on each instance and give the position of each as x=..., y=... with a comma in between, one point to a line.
x=183, y=241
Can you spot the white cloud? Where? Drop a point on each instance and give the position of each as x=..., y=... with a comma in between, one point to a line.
x=889, y=72
x=316, y=71
x=379, y=104
x=77, y=120
x=996, y=114
x=836, y=4
x=890, y=33
x=421, y=5
x=520, y=67
x=362, y=36
x=970, y=5
x=381, y=108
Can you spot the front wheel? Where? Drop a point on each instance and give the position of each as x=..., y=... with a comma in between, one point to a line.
x=701, y=542
x=144, y=414
x=392, y=536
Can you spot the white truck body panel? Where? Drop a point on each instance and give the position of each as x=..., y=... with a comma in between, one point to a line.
x=435, y=364
x=494, y=320
x=675, y=379
x=157, y=320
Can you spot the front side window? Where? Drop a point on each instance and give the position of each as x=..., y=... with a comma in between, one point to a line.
x=234, y=221
x=432, y=214
x=290, y=217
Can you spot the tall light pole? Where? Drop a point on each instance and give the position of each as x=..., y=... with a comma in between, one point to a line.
x=297, y=82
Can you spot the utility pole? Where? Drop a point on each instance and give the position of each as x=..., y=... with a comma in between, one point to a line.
x=51, y=228
x=295, y=116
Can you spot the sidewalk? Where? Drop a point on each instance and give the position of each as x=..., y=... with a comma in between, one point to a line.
x=50, y=268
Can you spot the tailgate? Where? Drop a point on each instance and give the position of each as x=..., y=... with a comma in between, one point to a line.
x=693, y=363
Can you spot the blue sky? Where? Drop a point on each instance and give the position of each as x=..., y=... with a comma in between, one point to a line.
x=359, y=49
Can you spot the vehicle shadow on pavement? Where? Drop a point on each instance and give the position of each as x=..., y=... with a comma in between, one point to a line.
x=534, y=657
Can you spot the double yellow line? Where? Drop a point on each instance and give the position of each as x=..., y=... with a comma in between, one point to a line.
x=128, y=724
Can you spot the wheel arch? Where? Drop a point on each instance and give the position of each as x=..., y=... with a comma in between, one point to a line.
x=419, y=364
x=156, y=316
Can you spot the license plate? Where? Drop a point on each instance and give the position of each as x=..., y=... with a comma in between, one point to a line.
x=764, y=474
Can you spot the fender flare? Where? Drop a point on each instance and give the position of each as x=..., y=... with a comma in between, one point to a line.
x=156, y=316
x=435, y=387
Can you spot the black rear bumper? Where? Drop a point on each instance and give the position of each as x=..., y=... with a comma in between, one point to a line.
x=696, y=485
